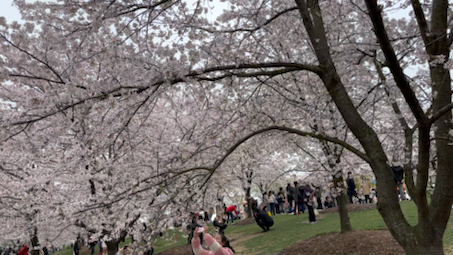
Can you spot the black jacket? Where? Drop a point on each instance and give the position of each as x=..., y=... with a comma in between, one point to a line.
x=398, y=173
x=261, y=215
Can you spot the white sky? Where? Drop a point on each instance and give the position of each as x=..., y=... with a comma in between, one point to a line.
x=8, y=11
x=11, y=13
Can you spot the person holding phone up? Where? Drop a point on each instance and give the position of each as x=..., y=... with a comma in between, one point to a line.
x=220, y=245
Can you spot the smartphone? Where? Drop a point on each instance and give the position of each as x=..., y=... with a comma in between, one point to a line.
x=200, y=230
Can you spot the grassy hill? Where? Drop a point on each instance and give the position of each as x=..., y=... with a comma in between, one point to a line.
x=288, y=230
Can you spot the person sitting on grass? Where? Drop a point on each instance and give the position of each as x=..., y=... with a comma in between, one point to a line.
x=218, y=246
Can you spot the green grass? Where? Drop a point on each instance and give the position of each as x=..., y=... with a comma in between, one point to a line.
x=172, y=239
x=67, y=251
x=290, y=229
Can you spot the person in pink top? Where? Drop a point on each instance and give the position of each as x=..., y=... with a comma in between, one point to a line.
x=218, y=246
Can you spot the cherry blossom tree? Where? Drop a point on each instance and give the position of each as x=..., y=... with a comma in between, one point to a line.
x=129, y=105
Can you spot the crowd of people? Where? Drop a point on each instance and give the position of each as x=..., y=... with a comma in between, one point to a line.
x=27, y=248
x=295, y=199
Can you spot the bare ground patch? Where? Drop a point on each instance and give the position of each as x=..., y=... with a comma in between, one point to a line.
x=367, y=242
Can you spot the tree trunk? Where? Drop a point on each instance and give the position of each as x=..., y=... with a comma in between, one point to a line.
x=248, y=194
x=426, y=237
x=342, y=200
x=249, y=203
x=112, y=247
x=424, y=242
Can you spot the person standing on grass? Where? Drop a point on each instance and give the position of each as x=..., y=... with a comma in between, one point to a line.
x=92, y=246
x=220, y=245
x=77, y=246
x=318, y=195
x=398, y=175
x=351, y=187
x=290, y=197
x=298, y=198
x=366, y=189
x=271, y=202
x=281, y=200
x=103, y=247
x=45, y=250
x=309, y=200
x=100, y=246
x=277, y=209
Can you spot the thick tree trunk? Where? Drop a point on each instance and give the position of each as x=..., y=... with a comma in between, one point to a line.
x=438, y=46
x=424, y=243
x=426, y=237
x=112, y=247
x=342, y=202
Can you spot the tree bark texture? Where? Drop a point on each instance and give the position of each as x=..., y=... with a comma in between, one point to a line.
x=426, y=236
x=342, y=200
x=249, y=203
x=112, y=247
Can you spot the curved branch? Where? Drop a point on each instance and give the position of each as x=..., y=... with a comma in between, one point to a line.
x=218, y=162
x=295, y=66
x=285, y=129
x=288, y=130
x=196, y=75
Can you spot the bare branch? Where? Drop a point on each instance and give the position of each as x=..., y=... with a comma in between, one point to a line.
x=392, y=61
x=34, y=57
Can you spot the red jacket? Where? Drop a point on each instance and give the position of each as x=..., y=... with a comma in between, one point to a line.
x=232, y=208
x=23, y=251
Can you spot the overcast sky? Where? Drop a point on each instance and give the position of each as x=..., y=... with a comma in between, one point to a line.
x=8, y=11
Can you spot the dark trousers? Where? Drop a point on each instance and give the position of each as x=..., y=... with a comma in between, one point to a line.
x=264, y=225
x=350, y=195
x=367, y=199
x=300, y=205
x=280, y=205
x=272, y=208
x=230, y=214
x=311, y=213
x=290, y=209
x=318, y=200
